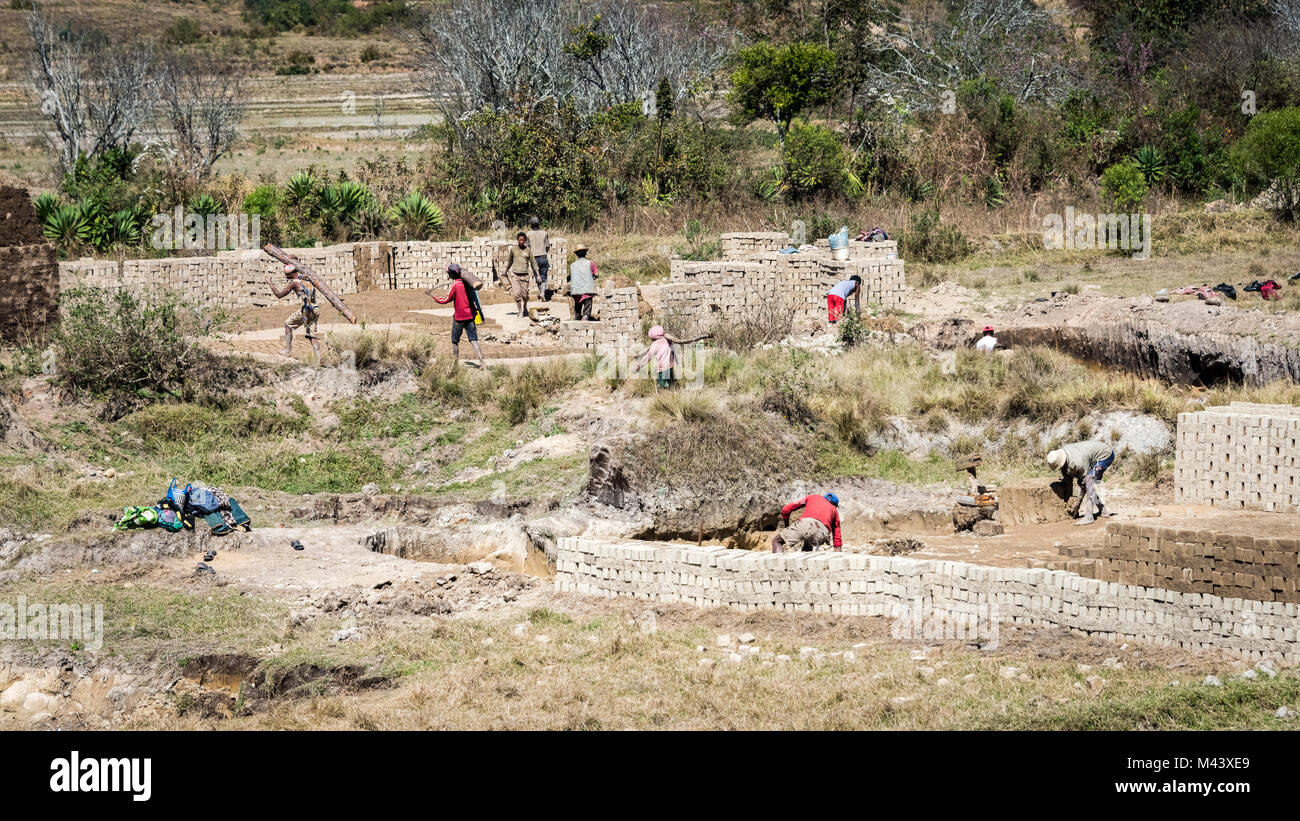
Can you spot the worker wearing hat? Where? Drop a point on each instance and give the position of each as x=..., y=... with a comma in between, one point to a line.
x=1085, y=462
x=582, y=283
x=987, y=342
x=819, y=524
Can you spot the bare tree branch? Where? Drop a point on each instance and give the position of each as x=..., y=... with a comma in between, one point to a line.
x=202, y=104
x=97, y=96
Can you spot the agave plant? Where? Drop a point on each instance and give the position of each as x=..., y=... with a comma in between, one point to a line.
x=66, y=226
x=417, y=216
x=126, y=227
x=300, y=190
x=371, y=221
x=205, y=205
x=45, y=205
x=1152, y=164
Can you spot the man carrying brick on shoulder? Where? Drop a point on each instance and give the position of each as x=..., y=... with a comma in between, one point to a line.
x=462, y=315
x=1085, y=462
x=819, y=524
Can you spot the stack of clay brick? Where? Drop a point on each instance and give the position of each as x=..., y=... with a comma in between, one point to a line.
x=1242, y=456
x=1249, y=557
x=741, y=246
x=862, y=585
x=619, y=326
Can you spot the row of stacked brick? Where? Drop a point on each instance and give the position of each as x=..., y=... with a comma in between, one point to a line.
x=236, y=279
x=966, y=596
x=1242, y=456
x=1252, y=556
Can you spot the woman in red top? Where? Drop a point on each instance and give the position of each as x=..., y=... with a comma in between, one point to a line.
x=462, y=315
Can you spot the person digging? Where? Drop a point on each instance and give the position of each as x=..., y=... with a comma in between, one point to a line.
x=306, y=316
x=1085, y=462
x=462, y=315
x=819, y=524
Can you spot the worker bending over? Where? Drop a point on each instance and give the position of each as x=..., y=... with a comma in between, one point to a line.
x=819, y=524
x=1085, y=462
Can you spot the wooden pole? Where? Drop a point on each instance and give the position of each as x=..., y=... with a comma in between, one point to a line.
x=330, y=296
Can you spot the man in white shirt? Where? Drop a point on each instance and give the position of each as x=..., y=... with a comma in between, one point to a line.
x=987, y=342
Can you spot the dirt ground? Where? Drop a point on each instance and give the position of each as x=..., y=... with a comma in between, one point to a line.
x=261, y=330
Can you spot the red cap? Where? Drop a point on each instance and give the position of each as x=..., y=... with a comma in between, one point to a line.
x=988, y=329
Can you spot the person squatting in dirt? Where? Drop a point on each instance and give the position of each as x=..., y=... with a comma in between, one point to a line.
x=305, y=317
x=819, y=524
x=464, y=308
x=835, y=300
x=662, y=356
x=1085, y=462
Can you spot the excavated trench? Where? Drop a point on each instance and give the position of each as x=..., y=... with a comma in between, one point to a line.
x=1186, y=343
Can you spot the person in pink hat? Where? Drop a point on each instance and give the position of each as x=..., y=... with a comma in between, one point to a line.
x=661, y=355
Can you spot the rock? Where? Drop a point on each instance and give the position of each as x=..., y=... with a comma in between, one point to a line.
x=1095, y=683
x=543, y=639
x=987, y=527
x=850, y=657
x=1083, y=668
x=38, y=703
x=968, y=677
x=11, y=700
x=1110, y=662
x=370, y=489
x=1212, y=681
x=1009, y=672
x=782, y=659
x=488, y=642
x=925, y=672
x=1267, y=668
x=806, y=652
x=1284, y=713
x=706, y=662
x=350, y=633
x=898, y=701
x=648, y=622
x=40, y=718
x=480, y=568
x=724, y=640
x=736, y=658
x=943, y=682
x=745, y=638
x=1250, y=674
x=521, y=628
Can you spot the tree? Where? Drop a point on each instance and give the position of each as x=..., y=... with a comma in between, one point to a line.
x=202, y=104
x=779, y=83
x=511, y=56
x=1268, y=156
x=96, y=95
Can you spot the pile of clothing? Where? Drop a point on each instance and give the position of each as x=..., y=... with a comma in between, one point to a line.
x=1268, y=289
x=1210, y=295
x=182, y=508
x=874, y=235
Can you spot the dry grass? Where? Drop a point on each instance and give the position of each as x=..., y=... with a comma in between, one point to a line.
x=587, y=665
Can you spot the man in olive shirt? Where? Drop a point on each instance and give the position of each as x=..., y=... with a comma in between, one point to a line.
x=539, y=242
x=519, y=266
x=1085, y=462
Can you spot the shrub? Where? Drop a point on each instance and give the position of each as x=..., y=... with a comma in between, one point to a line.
x=184, y=31
x=814, y=159
x=851, y=330
x=928, y=240
x=1123, y=186
x=416, y=217
x=113, y=343
x=763, y=325
x=1268, y=156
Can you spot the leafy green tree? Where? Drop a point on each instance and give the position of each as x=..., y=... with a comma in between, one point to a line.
x=780, y=83
x=1268, y=157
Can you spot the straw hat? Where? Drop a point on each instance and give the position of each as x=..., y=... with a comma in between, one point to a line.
x=1056, y=459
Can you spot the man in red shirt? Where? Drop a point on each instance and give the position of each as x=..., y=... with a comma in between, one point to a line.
x=819, y=524
x=462, y=315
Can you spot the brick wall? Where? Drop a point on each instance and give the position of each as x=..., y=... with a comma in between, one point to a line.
x=1242, y=456
x=861, y=585
x=619, y=327
x=236, y=279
